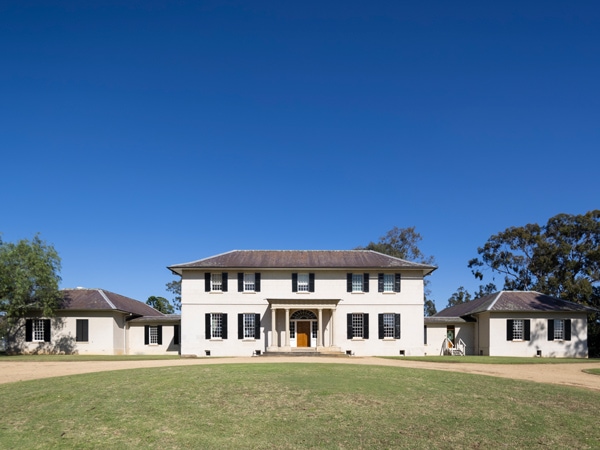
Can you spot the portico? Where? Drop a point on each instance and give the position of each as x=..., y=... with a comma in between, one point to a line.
x=307, y=324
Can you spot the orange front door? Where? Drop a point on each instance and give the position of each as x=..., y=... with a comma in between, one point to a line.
x=302, y=334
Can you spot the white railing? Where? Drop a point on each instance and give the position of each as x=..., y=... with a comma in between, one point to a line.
x=454, y=349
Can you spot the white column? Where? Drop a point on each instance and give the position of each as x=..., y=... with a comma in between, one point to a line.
x=331, y=328
x=287, y=327
x=273, y=328
x=320, y=329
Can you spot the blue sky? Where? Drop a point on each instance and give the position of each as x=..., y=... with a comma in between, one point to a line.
x=135, y=135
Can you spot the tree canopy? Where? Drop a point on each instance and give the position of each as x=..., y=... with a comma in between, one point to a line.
x=561, y=258
x=174, y=287
x=403, y=243
x=29, y=278
x=160, y=304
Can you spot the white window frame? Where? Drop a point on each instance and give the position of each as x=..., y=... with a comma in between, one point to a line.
x=518, y=329
x=249, y=325
x=358, y=325
x=153, y=335
x=216, y=282
x=249, y=282
x=389, y=280
x=37, y=330
x=357, y=282
x=389, y=325
x=559, y=330
x=216, y=325
x=303, y=282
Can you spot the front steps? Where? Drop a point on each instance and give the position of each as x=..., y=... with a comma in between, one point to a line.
x=304, y=352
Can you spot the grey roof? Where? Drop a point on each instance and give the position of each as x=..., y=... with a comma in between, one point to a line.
x=302, y=259
x=165, y=318
x=100, y=299
x=513, y=301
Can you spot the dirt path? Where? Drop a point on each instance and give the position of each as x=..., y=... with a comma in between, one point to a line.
x=564, y=374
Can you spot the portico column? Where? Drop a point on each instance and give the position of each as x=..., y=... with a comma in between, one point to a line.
x=274, y=342
x=331, y=328
x=320, y=329
x=287, y=327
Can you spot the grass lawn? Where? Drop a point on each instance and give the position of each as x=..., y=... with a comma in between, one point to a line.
x=495, y=359
x=294, y=405
x=53, y=358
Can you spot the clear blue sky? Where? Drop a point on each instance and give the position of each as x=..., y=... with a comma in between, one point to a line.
x=139, y=134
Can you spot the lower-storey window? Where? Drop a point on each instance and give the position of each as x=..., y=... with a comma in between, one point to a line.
x=153, y=335
x=248, y=326
x=216, y=326
x=81, y=330
x=559, y=329
x=518, y=329
x=358, y=326
x=37, y=330
x=389, y=326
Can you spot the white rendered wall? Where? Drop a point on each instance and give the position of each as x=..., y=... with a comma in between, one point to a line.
x=136, y=340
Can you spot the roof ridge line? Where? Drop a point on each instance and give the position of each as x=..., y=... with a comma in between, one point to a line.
x=498, y=295
x=107, y=299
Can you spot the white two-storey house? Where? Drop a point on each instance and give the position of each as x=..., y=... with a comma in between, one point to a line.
x=248, y=302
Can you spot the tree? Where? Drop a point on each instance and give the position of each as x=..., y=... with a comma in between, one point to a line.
x=174, y=287
x=160, y=304
x=460, y=296
x=29, y=278
x=561, y=258
x=403, y=243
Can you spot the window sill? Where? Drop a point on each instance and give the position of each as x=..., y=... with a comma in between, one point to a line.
x=249, y=292
x=389, y=339
x=389, y=293
x=303, y=292
x=358, y=339
x=358, y=292
x=249, y=340
x=216, y=339
x=215, y=292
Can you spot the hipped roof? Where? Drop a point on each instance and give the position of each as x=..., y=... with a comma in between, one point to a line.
x=100, y=299
x=512, y=301
x=302, y=259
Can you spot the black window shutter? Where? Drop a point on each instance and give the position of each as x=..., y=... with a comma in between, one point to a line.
x=159, y=334
x=379, y=282
x=207, y=326
x=349, y=333
x=366, y=282
x=257, y=282
x=425, y=335
x=240, y=282
x=294, y=282
x=207, y=282
x=365, y=326
x=396, y=326
x=224, y=281
x=256, y=326
x=81, y=332
x=224, y=326
x=46, y=330
x=176, y=335
x=311, y=282
x=567, y=329
x=146, y=334
x=240, y=326
x=397, y=279
x=85, y=330
x=526, y=329
x=28, y=330
x=348, y=282
x=509, y=330
x=380, y=322
x=550, y=329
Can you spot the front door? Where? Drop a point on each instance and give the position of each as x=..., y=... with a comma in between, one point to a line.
x=450, y=335
x=303, y=334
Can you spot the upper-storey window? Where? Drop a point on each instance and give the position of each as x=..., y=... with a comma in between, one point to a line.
x=249, y=282
x=215, y=282
x=303, y=282
x=388, y=282
x=357, y=282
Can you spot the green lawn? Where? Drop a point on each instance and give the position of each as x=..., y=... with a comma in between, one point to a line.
x=54, y=358
x=294, y=405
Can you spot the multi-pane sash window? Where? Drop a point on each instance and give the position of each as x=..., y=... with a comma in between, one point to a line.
x=216, y=282
x=249, y=283
x=216, y=325
x=559, y=329
x=518, y=329
x=249, y=326
x=357, y=282
x=303, y=280
x=292, y=330
x=38, y=330
x=315, y=326
x=153, y=333
x=388, y=282
x=357, y=325
x=388, y=325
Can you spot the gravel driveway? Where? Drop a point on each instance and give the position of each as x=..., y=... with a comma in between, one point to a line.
x=564, y=374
